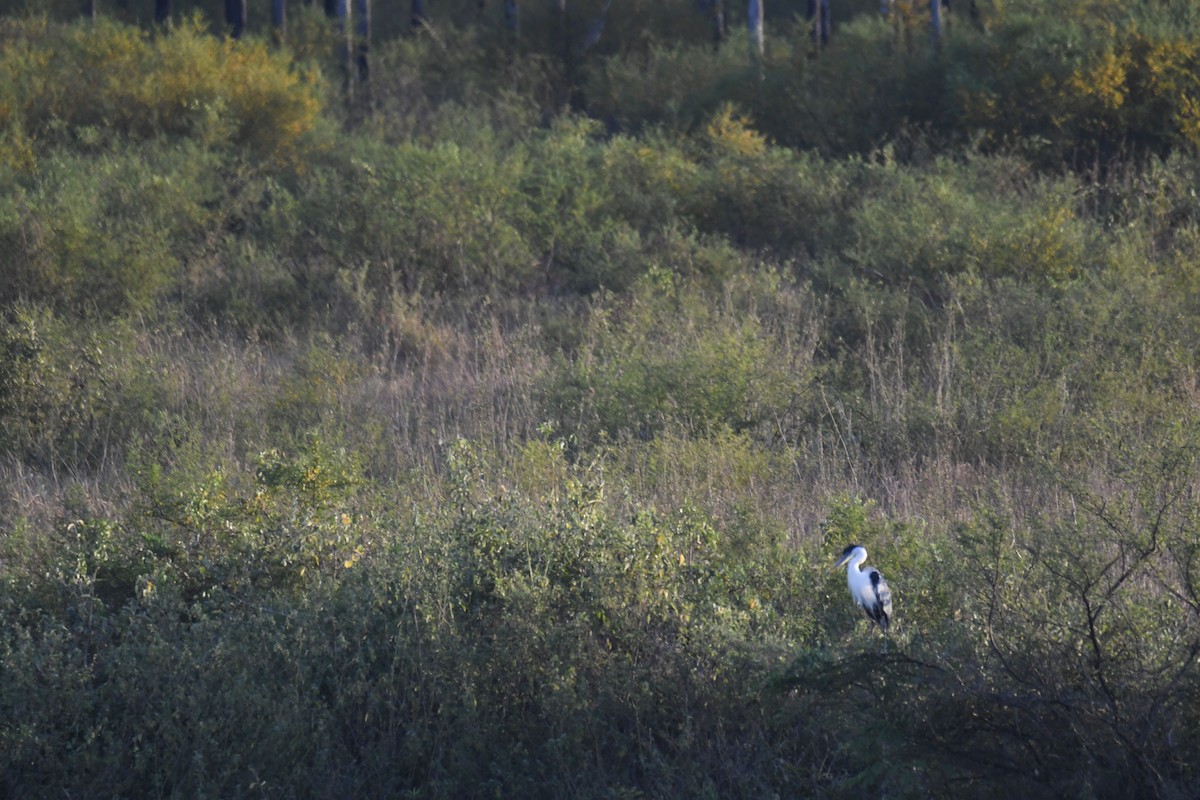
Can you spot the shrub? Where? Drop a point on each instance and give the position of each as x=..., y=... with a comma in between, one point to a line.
x=73, y=398
x=711, y=368
x=924, y=230
x=1080, y=85
x=178, y=83
x=108, y=233
x=451, y=82
x=1091, y=633
x=676, y=87
x=770, y=198
x=222, y=532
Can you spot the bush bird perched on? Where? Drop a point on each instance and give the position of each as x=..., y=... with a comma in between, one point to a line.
x=867, y=586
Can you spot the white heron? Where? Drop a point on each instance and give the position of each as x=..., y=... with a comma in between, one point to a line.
x=867, y=586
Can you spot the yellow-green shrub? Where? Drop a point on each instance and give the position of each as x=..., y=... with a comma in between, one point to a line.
x=121, y=80
x=1080, y=85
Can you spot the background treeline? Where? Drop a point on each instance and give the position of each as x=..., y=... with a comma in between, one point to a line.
x=487, y=423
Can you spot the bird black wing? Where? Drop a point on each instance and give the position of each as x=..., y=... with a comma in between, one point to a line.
x=881, y=609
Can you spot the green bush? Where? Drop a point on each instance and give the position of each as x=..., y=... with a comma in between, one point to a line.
x=449, y=81
x=178, y=83
x=923, y=230
x=676, y=87
x=769, y=198
x=711, y=368
x=108, y=233
x=1081, y=85
x=1092, y=634
x=73, y=397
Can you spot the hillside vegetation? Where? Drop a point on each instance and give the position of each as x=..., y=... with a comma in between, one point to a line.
x=491, y=426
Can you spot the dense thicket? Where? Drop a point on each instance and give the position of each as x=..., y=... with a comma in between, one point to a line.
x=490, y=427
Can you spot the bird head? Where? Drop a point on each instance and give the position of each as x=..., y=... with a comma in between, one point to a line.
x=847, y=554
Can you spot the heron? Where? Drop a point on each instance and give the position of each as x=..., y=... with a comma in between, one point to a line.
x=867, y=586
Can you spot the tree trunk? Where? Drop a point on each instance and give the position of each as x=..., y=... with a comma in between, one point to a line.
x=89, y=9
x=818, y=14
x=935, y=22
x=339, y=11
x=596, y=28
x=754, y=22
x=362, y=9
x=235, y=17
x=564, y=36
x=162, y=10
x=718, y=23
x=512, y=16
x=279, y=19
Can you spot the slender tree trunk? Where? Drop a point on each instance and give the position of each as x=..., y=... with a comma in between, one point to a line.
x=754, y=23
x=339, y=12
x=279, y=19
x=89, y=9
x=596, y=29
x=162, y=10
x=235, y=17
x=718, y=23
x=935, y=22
x=818, y=14
x=563, y=37
x=512, y=16
x=362, y=10
x=974, y=16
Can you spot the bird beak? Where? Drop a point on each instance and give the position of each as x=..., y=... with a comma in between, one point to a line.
x=841, y=562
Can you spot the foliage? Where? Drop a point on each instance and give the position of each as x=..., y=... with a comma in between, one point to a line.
x=179, y=83
x=71, y=398
x=922, y=230
x=108, y=232
x=633, y=378
x=493, y=430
